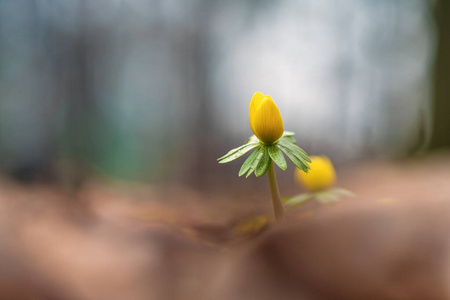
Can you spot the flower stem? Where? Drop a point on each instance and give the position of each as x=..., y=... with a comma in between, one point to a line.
x=276, y=199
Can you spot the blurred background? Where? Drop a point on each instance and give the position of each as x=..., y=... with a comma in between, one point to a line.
x=155, y=91
x=107, y=104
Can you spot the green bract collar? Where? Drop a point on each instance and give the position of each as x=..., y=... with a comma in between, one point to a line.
x=262, y=155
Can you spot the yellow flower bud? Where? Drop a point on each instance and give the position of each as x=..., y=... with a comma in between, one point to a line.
x=265, y=119
x=321, y=176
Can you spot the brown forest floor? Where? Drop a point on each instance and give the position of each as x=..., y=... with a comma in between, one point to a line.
x=113, y=240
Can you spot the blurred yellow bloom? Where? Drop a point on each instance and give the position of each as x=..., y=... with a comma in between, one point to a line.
x=265, y=119
x=321, y=176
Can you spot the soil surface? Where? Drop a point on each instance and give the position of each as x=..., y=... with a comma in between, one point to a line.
x=114, y=240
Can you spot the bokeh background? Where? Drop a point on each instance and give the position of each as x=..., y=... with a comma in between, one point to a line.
x=154, y=91
x=113, y=113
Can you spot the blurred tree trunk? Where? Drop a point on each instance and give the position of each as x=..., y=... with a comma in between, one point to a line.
x=441, y=99
x=193, y=54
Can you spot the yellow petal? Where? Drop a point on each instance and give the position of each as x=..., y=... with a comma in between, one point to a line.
x=265, y=119
x=321, y=176
x=254, y=103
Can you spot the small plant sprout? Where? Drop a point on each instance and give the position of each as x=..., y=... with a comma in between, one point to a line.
x=320, y=181
x=268, y=143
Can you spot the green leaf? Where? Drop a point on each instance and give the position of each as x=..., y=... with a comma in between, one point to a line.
x=232, y=151
x=288, y=139
x=327, y=197
x=293, y=156
x=299, y=199
x=277, y=156
x=285, y=199
x=248, y=162
x=288, y=133
x=333, y=195
x=255, y=163
x=252, y=139
x=302, y=153
x=299, y=151
x=342, y=192
x=288, y=136
x=237, y=152
x=264, y=162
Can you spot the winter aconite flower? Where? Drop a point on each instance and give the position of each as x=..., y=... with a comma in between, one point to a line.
x=321, y=176
x=265, y=119
x=320, y=182
x=269, y=141
x=269, y=145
